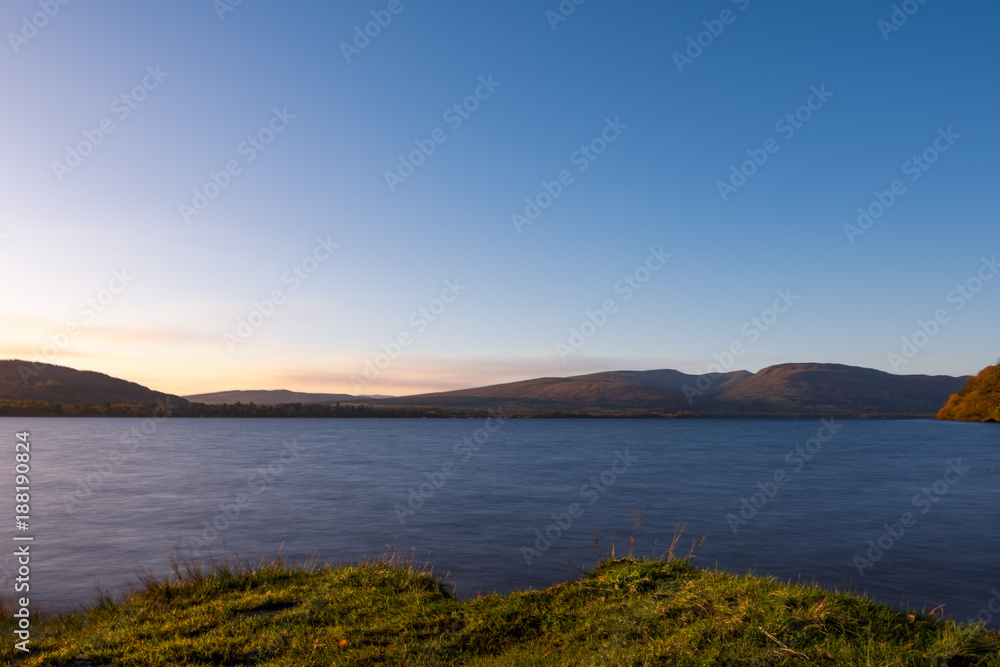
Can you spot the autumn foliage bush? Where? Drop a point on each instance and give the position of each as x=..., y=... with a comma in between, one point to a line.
x=979, y=400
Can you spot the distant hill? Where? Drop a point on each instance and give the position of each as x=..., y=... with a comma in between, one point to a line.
x=783, y=389
x=268, y=397
x=836, y=387
x=979, y=399
x=31, y=381
x=612, y=390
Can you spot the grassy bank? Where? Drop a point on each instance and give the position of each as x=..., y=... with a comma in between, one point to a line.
x=393, y=612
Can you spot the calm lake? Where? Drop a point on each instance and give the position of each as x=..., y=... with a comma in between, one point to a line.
x=908, y=511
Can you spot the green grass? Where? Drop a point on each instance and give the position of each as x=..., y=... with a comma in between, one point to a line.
x=392, y=611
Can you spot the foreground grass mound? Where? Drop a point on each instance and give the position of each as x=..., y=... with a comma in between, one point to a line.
x=390, y=612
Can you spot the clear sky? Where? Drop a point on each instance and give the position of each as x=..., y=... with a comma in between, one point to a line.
x=361, y=178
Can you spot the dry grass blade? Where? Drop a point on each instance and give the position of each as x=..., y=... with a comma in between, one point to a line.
x=784, y=649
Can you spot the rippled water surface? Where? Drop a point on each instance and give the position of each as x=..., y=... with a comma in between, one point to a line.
x=110, y=499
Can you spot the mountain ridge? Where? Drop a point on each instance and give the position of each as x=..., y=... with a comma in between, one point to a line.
x=782, y=389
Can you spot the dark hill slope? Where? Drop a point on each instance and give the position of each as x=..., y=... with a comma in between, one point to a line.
x=836, y=387
x=783, y=389
x=612, y=390
x=30, y=381
x=268, y=397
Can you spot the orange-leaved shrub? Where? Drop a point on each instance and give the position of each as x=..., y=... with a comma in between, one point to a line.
x=978, y=401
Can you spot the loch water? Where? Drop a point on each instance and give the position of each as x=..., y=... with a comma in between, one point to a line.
x=905, y=510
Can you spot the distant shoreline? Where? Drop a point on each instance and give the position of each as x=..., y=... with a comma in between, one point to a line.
x=367, y=411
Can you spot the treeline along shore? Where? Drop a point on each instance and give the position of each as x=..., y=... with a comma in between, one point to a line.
x=164, y=410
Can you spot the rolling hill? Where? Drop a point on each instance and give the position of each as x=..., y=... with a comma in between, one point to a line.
x=267, y=397
x=835, y=387
x=781, y=389
x=612, y=390
x=31, y=381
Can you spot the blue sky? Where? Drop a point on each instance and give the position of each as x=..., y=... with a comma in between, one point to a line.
x=202, y=85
